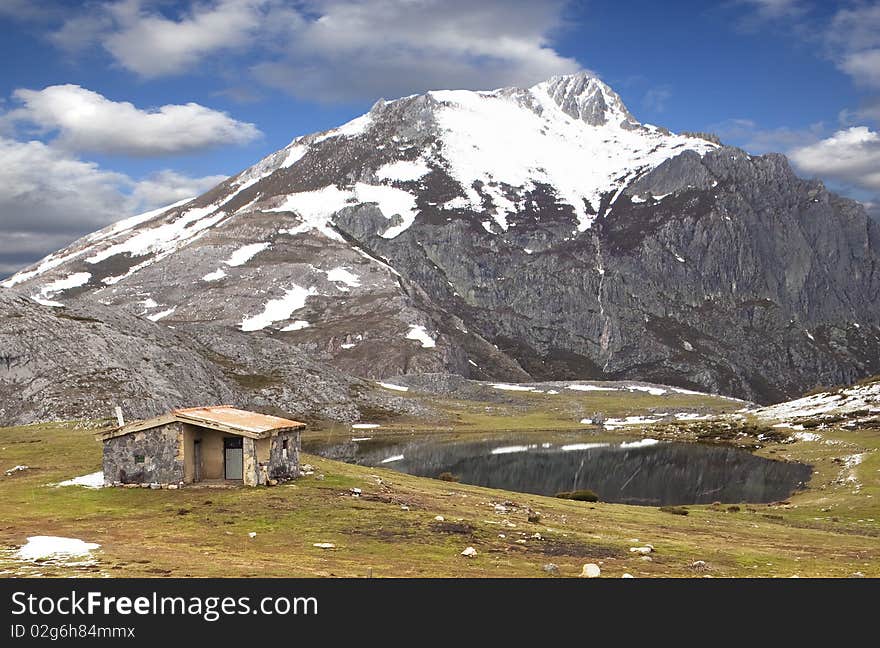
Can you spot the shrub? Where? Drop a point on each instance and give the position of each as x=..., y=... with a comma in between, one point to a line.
x=448, y=477
x=733, y=509
x=675, y=510
x=583, y=495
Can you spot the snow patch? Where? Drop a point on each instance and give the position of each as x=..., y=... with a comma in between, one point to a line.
x=92, y=480
x=217, y=275
x=245, y=254
x=343, y=275
x=294, y=155
x=403, y=170
x=392, y=459
x=641, y=443
x=575, y=447
x=364, y=426
x=419, y=334
x=50, y=290
x=506, y=387
x=654, y=391
x=393, y=387
x=586, y=388
x=43, y=547
x=298, y=325
x=280, y=309
x=512, y=449
x=165, y=313
x=614, y=423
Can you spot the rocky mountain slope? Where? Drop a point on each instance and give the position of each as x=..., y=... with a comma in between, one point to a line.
x=83, y=360
x=518, y=234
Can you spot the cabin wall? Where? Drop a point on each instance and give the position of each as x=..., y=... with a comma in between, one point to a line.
x=284, y=463
x=154, y=456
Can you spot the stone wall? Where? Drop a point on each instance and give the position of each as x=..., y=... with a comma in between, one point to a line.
x=145, y=457
x=284, y=465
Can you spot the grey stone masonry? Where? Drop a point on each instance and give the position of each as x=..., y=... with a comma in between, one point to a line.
x=145, y=457
x=284, y=463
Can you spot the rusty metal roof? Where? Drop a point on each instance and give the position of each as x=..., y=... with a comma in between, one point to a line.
x=219, y=417
x=237, y=419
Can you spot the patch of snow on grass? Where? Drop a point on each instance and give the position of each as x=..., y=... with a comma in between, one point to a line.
x=392, y=459
x=279, y=309
x=43, y=547
x=654, y=391
x=585, y=388
x=506, y=387
x=613, y=423
x=92, y=480
x=691, y=416
x=364, y=426
x=806, y=436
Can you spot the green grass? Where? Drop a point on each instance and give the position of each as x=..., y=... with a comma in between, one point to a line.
x=830, y=529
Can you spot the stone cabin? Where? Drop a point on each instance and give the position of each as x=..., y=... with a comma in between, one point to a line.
x=203, y=444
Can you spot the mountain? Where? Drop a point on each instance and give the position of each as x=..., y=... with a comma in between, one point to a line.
x=83, y=360
x=518, y=234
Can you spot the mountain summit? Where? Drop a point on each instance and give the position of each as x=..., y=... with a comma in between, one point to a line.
x=511, y=234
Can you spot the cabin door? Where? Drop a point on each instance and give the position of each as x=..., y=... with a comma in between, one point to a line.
x=233, y=458
x=197, y=460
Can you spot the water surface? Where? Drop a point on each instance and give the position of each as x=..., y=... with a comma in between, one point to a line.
x=641, y=472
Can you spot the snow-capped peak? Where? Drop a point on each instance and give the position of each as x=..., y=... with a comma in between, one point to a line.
x=584, y=97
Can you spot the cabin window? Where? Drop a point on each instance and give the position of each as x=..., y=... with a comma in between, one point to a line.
x=284, y=449
x=139, y=458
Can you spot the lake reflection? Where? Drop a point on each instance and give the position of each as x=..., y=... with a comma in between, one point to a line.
x=641, y=472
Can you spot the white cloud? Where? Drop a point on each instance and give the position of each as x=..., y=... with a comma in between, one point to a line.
x=656, y=98
x=48, y=198
x=336, y=49
x=148, y=43
x=851, y=156
x=863, y=67
x=868, y=112
x=772, y=9
x=166, y=187
x=88, y=121
x=747, y=134
x=853, y=39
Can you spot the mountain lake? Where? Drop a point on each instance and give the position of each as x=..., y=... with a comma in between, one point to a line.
x=643, y=471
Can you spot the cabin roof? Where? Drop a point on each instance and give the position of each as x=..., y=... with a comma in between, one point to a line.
x=218, y=417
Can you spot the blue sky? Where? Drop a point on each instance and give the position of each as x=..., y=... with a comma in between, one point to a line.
x=115, y=106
